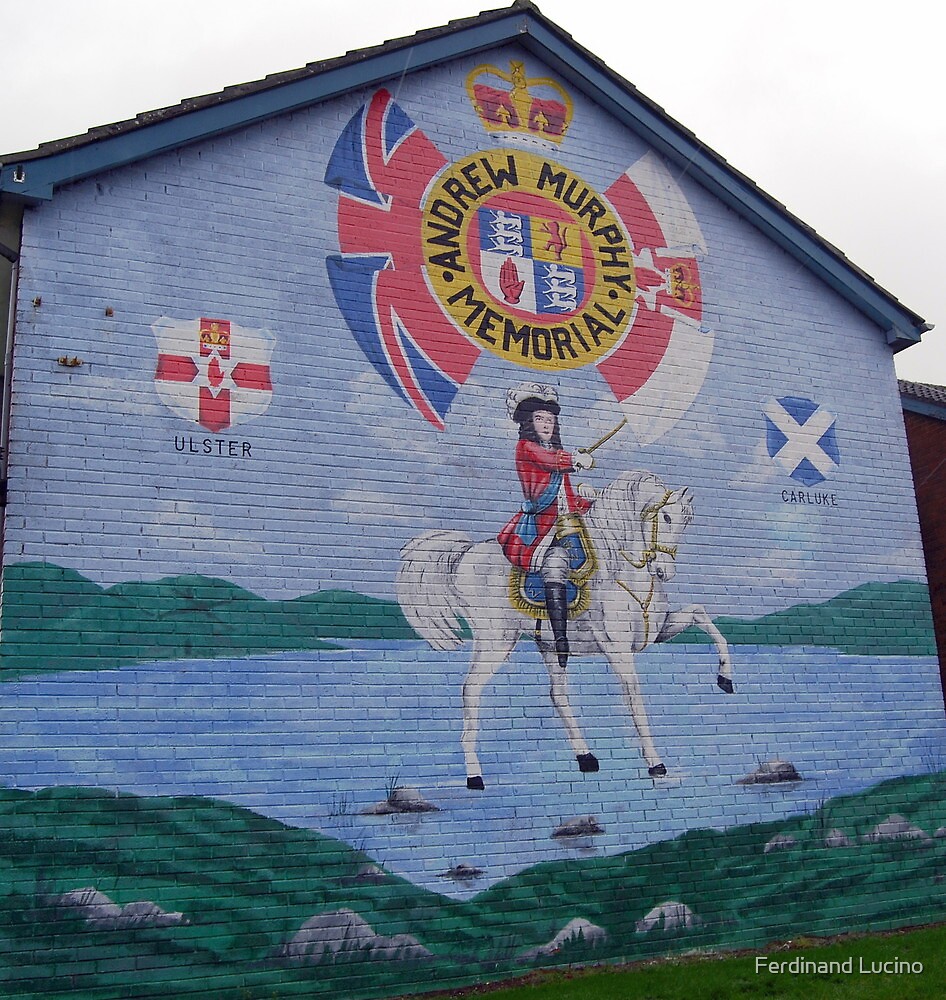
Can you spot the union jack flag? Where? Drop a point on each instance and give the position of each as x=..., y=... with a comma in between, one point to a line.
x=381, y=166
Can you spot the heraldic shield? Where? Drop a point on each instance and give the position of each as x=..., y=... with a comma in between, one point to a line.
x=527, y=590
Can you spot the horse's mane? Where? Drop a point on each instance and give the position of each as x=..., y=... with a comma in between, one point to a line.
x=615, y=519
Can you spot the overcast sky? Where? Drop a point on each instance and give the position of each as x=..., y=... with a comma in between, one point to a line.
x=832, y=106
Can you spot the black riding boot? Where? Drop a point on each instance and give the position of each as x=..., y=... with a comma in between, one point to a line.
x=556, y=603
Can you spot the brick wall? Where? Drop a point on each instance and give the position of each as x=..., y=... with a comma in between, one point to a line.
x=235, y=680
x=926, y=439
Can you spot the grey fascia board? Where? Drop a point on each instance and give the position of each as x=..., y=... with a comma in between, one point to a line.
x=926, y=409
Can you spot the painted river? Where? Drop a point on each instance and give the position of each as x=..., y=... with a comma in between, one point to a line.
x=312, y=739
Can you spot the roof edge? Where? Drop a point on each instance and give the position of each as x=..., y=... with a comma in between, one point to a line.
x=34, y=175
x=923, y=397
x=926, y=409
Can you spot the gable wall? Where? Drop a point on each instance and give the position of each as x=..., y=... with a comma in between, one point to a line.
x=150, y=556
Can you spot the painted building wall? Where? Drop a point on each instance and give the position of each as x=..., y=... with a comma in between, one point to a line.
x=250, y=536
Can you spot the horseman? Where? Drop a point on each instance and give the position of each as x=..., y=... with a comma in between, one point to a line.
x=529, y=539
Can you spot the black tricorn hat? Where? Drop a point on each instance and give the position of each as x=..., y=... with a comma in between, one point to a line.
x=523, y=400
x=532, y=404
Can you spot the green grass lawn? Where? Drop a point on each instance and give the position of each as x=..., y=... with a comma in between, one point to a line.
x=733, y=978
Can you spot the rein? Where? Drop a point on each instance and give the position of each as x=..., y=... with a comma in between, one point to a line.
x=644, y=605
x=649, y=513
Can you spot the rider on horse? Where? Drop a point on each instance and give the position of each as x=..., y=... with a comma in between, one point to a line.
x=528, y=540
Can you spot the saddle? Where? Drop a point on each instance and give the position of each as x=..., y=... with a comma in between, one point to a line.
x=526, y=588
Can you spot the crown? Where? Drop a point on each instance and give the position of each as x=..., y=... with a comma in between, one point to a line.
x=535, y=111
x=214, y=335
x=684, y=286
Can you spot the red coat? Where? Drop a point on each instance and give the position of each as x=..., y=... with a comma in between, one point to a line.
x=535, y=466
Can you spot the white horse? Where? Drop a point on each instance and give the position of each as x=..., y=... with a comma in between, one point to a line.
x=635, y=524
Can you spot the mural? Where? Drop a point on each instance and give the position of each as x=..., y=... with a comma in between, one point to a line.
x=618, y=598
x=218, y=377
x=521, y=254
x=518, y=602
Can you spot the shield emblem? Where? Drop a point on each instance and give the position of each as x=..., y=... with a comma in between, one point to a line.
x=212, y=371
x=531, y=262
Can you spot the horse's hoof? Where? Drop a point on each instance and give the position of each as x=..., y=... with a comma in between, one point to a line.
x=587, y=763
x=476, y=783
x=724, y=684
x=657, y=771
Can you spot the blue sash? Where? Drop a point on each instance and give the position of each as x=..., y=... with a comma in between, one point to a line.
x=526, y=529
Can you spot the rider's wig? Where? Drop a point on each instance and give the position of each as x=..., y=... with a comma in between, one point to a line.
x=523, y=417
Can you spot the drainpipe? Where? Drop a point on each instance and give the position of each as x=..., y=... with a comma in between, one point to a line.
x=13, y=257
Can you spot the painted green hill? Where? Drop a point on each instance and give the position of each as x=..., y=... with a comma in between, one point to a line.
x=746, y=897
x=875, y=619
x=245, y=884
x=54, y=619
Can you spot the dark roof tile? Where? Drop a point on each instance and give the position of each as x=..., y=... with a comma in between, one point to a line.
x=272, y=80
x=923, y=391
x=65, y=162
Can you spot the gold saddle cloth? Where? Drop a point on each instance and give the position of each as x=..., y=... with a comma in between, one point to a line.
x=526, y=589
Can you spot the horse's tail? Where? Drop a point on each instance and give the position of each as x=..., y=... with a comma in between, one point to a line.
x=425, y=585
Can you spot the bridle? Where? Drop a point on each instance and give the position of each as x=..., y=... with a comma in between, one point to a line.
x=650, y=513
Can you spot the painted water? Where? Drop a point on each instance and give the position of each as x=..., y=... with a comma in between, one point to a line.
x=313, y=739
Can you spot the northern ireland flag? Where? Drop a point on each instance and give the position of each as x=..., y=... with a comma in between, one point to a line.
x=212, y=371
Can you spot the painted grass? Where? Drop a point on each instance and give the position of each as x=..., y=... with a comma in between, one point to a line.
x=247, y=883
x=49, y=612
x=736, y=978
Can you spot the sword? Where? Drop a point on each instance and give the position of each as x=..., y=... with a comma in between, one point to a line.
x=601, y=441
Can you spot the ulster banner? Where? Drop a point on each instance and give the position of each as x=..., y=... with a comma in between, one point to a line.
x=212, y=371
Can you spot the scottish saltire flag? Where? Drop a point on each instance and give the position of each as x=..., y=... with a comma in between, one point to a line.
x=801, y=436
